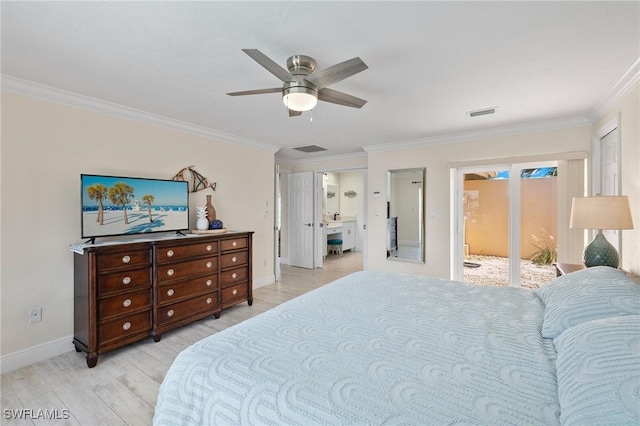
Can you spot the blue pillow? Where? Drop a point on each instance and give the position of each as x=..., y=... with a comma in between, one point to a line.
x=592, y=293
x=598, y=370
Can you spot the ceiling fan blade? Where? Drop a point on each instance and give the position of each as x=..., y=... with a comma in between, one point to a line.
x=293, y=113
x=269, y=64
x=256, y=92
x=335, y=97
x=336, y=73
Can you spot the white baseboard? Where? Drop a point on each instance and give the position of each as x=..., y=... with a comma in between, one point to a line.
x=35, y=354
x=261, y=282
x=60, y=346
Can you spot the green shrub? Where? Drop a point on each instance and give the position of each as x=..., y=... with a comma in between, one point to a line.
x=544, y=255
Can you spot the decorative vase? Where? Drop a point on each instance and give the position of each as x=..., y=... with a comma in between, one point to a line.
x=216, y=224
x=211, y=211
x=202, y=223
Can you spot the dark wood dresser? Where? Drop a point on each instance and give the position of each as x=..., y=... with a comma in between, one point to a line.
x=126, y=292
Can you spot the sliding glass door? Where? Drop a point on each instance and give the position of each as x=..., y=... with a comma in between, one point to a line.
x=485, y=236
x=506, y=220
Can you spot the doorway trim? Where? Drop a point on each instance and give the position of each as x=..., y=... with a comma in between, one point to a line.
x=611, y=126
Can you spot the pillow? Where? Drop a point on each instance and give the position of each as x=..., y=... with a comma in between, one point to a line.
x=598, y=372
x=585, y=295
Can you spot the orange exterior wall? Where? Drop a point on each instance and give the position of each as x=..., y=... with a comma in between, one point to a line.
x=487, y=216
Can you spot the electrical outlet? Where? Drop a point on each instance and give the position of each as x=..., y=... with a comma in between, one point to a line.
x=35, y=315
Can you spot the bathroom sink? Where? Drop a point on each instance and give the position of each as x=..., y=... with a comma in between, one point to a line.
x=333, y=224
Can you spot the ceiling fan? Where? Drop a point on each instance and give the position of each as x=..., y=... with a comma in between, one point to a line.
x=303, y=86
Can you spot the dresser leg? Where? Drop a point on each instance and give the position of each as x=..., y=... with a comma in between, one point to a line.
x=157, y=337
x=92, y=360
x=250, y=301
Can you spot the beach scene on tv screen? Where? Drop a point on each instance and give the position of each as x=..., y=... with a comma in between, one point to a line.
x=122, y=206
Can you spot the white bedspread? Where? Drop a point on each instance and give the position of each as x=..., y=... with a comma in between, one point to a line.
x=373, y=348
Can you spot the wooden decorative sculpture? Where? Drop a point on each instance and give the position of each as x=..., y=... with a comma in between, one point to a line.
x=197, y=182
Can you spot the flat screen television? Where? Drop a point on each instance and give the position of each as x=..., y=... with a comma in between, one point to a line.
x=118, y=205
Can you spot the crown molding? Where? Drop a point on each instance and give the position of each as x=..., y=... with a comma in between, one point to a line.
x=628, y=80
x=41, y=91
x=535, y=127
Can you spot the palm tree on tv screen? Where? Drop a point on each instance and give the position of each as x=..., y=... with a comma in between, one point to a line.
x=148, y=199
x=98, y=192
x=121, y=194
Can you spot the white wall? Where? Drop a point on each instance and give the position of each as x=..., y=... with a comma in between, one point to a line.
x=45, y=148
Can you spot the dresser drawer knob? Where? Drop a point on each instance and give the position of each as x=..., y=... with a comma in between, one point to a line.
x=234, y=275
x=235, y=291
x=234, y=243
x=170, y=272
x=170, y=313
x=126, y=259
x=209, y=300
x=126, y=303
x=234, y=259
x=126, y=280
x=209, y=264
x=169, y=253
x=209, y=282
x=126, y=326
x=170, y=292
x=209, y=247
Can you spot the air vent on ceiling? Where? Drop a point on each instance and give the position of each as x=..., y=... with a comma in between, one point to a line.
x=310, y=148
x=479, y=112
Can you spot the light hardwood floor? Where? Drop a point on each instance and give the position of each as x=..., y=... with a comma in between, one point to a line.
x=123, y=387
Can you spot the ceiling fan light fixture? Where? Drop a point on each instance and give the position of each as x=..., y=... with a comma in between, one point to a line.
x=299, y=98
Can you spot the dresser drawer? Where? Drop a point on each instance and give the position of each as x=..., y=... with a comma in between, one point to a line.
x=233, y=259
x=233, y=276
x=234, y=244
x=122, y=304
x=180, y=310
x=124, y=327
x=184, y=289
x=231, y=295
x=124, y=259
x=184, y=270
x=125, y=280
x=173, y=253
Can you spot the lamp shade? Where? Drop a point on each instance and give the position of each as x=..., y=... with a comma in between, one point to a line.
x=300, y=98
x=601, y=212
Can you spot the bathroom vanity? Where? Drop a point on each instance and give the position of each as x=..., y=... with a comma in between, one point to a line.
x=344, y=229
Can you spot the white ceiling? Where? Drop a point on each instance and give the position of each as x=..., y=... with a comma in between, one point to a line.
x=429, y=63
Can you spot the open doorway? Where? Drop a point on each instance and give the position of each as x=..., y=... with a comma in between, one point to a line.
x=341, y=214
x=351, y=193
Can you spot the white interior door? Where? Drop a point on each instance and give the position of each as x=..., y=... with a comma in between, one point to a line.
x=277, y=223
x=301, y=219
x=610, y=176
x=319, y=221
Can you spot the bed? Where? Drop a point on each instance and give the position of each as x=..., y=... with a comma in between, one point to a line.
x=382, y=348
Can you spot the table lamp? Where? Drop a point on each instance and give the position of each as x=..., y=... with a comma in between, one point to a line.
x=601, y=212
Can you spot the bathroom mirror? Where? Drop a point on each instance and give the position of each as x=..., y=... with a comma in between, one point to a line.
x=405, y=214
x=332, y=202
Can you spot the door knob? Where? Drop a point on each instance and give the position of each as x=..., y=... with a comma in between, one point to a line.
x=308, y=224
